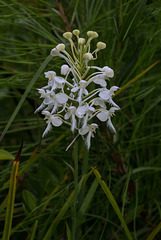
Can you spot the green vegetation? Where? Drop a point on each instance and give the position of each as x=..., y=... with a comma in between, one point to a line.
x=126, y=168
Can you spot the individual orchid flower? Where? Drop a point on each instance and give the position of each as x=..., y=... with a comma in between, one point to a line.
x=54, y=120
x=88, y=114
x=82, y=89
x=106, y=95
x=89, y=130
x=59, y=99
x=54, y=81
x=105, y=115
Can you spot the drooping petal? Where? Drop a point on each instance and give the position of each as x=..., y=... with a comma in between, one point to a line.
x=88, y=140
x=67, y=115
x=103, y=116
x=47, y=130
x=110, y=125
x=111, y=102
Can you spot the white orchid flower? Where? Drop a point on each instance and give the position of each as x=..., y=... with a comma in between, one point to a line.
x=54, y=120
x=71, y=114
x=90, y=129
x=82, y=90
x=59, y=99
x=105, y=115
x=54, y=81
x=106, y=95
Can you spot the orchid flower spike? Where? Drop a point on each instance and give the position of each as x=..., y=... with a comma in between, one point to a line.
x=81, y=94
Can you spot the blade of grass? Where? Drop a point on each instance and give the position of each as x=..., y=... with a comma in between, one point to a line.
x=136, y=78
x=113, y=202
x=64, y=209
x=34, y=230
x=11, y=196
x=154, y=232
x=37, y=74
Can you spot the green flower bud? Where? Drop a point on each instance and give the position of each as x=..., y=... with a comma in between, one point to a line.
x=67, y=35
x=76, y=32
x=101, y=45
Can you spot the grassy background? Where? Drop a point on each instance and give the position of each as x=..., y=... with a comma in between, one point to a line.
x=128, y=162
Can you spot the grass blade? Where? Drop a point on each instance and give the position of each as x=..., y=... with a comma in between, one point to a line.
x=154, y=232
x=136, y=78
x=11, y=196
x=64, y=209
x=37, y=74
x=113, y=202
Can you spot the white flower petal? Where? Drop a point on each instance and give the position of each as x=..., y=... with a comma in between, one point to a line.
x=108, y=71
x=110, y=125
x=61, y=98
x=56, y=121
x=67, y=115
x=103, y=116
x=75, y=89
x=80, y=112
x=100, y=81
x=105, y=95
x=83, y=131
x=59, y=80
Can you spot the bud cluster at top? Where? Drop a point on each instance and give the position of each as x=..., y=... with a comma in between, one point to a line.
x=67, y=98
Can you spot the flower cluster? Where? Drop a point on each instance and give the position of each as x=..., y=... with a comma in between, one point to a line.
x=81, y=94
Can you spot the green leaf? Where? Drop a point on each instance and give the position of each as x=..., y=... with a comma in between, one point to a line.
x=69, y=235
x=154, y=232
x=5, y=155
x=19, y=105
x=11, y=196
x=64, y=209
x=131, y=20
x=113, y=202
x=29, y=200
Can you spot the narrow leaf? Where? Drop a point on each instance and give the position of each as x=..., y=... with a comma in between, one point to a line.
x=5, y=155
x=113, y=202
x=64, y=209
x=11, y=196
x=136, y=78
x=19, y=105
x=154, y=232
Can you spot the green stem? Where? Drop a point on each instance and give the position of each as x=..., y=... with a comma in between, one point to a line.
x=75, y=155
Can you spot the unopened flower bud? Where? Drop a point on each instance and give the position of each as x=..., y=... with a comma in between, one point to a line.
x=60, y=47
x=92, y=34
x=54, y=52
x=76, y=32
x=101, y=45
x=67, y=35
x=64, y=69
x=81, y=41
x=88, y=56
x=108, y=71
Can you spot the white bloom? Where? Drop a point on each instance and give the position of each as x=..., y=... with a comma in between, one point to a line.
x=106, y=95
x=90, y=129
x=59, y=99
x=105, y=115
x=51, y=120
x=82, y=89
